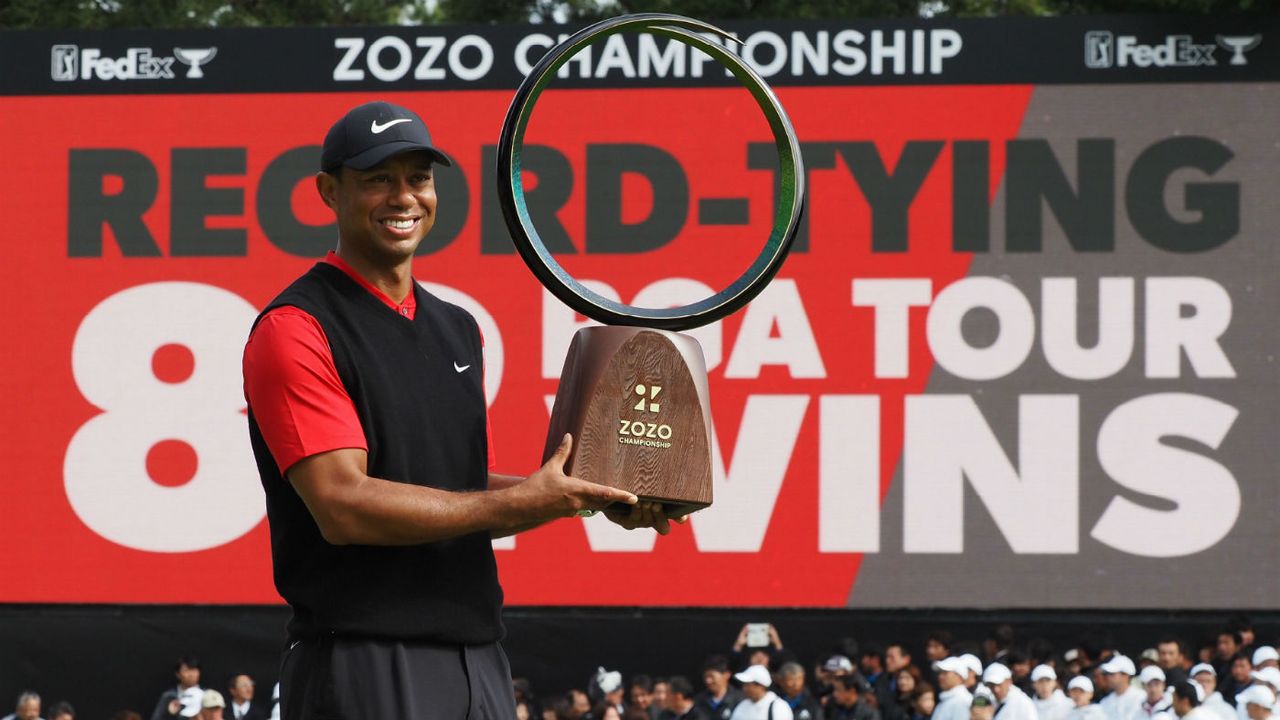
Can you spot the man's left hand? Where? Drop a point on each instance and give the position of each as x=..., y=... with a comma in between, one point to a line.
x=644, y=514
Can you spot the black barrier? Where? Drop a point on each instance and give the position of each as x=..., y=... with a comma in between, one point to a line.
x=106, y=658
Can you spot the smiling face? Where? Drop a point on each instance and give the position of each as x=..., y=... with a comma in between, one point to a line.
x=383, y=212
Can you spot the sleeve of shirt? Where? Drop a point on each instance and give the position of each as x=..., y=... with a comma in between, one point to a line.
x=292, y=385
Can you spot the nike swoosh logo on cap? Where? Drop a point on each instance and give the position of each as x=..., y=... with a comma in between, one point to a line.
x=377, y=129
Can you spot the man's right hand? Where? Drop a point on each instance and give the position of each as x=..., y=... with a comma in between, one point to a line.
x=549, y=493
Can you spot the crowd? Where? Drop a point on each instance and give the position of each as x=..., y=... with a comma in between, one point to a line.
x=1232, y=676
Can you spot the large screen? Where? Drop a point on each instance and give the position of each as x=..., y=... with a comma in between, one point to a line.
x=1023, y=353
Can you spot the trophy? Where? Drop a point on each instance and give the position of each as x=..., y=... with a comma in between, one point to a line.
x=195, y=57
x=633, y=392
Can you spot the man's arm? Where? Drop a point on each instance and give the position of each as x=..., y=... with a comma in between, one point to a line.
x=352, y=508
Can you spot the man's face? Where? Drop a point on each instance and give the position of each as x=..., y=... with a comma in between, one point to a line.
x=717, y=682
x=661, y=694
x=581, y=703
x=29, y=710
x=1227, y=645
x=640, y=697
x=1045, y=687
x=1080, y=696
x=211, y=714
x=948, y=680
x=895, y=658
x=1240, y=670
x=792, y=684
x=1155, y=691
x=845, y=697
x=1207, y=681
x=188, y=676
x=1000, y=690
x=385, y=211
x=935, y=651
x=1118, y=682
x=754, y=691
x=241, y=689
x=1170, y=656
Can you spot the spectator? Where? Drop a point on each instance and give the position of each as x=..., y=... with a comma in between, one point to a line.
x=1171, y=656
x=923, y=701
x=1258, y=702
x=1214, y=704
x=62, y=711
x=185, y=698
x=791, y=687
x=1152, y=681
x=1228, y=646
x=240, y=692
x=954, y=699
x=661, y=693
x=759, y=702
x=756, y=654
x=871, y=664
x=1239, y=672
x=1020, y=666
x=605, y=711
x=1266, y=656
x=680, y=703
x=896, y=659
x=212, y=705
x=719, y=698
x=640, y=696
x=937, y=646
x=1242, y=627
x=1186, y=701
x=1012, y=702
x=1148, y=658
x=998, y=642
x=1125, y=699
x=850, y=699
x=983, y=706
x=607, y=688
x=899, y=708
x=523, y=711
x=1051, y=703
x=26, y=708
x=578, y=705
x=974, y=666
x=1080, y=690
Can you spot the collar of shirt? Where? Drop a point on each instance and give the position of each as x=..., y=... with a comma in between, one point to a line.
x=407, y=308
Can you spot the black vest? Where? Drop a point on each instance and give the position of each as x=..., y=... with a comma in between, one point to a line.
x=424, y=422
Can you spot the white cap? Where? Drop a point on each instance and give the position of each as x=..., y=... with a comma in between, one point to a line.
x=982, y=691
x=1119, y=664
x=972, y=662
x=1203, y=668
x=1071, y=655
x=1268, y=675
x=608, y=681
x=1150, y=673
x=191, y=699
x=1080, y=682
x=952, y=664
x=1265, y=653
x=1198, y=688
x=1257, y=695
x=212, y=699
x=1043, y=672
x=838, y=664
x=996, y=673
x=757, y=674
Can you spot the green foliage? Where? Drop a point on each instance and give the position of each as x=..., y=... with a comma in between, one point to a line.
x=101, y=14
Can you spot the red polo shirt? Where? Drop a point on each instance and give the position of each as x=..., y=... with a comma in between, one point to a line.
x=292, y=384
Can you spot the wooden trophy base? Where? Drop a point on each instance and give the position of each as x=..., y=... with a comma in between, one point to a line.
x=635, y=400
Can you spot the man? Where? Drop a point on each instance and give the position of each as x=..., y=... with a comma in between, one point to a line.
x=851, y=699
x=1258, y=702
x=240, y=691
x=937, y=646
x=719, y=698
x=974, y=667
x=1187, y=702
x=1124, y=699
x=1051, y=703
x=640, y=696
x=212, y=705
x=1239, y=676
x=1214, y=704
x=680, y=703
x=368, y=423
x=791, y=686
x=1266, y=657
x=177, y=701
x=1152, y=682
x=759, y=702
x=1227, y=647
x=1171, y=656
x=1012, y=702
x=1080, y=690
x=954, y=698
x=26, y=708
x=871, y=664
x=896, y=659
x=661, y=694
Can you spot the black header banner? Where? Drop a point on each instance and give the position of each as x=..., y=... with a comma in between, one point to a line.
x=1063, y=50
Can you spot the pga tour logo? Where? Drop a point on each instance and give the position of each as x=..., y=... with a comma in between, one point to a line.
x=72, y=62
x=1102, y=49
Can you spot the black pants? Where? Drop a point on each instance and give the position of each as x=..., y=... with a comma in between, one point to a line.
x=337, y=678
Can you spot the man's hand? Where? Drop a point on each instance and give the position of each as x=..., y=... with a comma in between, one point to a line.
x=549, y=493
x=644, y=515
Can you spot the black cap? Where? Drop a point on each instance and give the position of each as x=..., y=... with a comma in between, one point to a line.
x=373, y=132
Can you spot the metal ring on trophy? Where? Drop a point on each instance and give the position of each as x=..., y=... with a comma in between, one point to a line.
x=549, y=272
